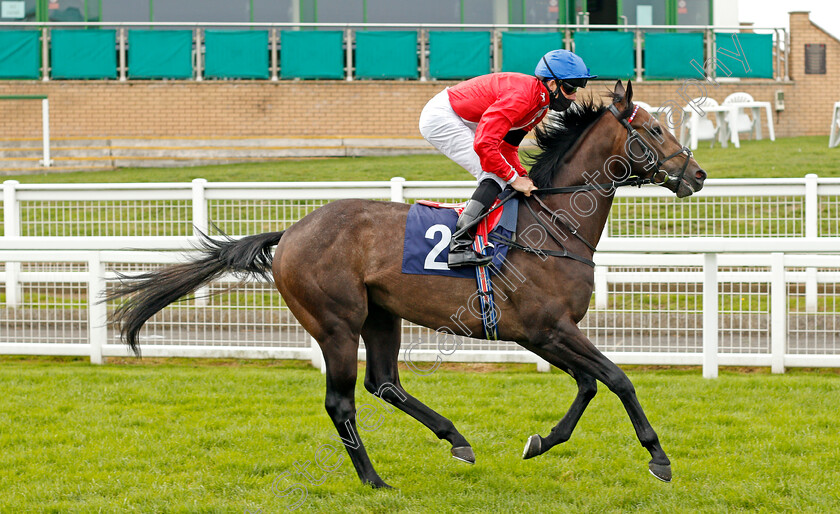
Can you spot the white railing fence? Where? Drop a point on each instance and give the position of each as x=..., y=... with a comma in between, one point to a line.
x=720, y=289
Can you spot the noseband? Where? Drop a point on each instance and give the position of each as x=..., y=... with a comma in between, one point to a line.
x=632, y=133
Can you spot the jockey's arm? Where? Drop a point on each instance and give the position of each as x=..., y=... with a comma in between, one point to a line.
x=498, y=156
x=510, y=149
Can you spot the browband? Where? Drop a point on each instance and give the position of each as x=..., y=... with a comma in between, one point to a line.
x=635, y=110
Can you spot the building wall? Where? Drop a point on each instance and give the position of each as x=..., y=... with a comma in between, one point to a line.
x=387, y=109
x=296, y=109
x=725, y=13
x=813, y=102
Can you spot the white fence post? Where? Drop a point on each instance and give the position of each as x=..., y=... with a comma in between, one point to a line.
x=317, y=355
x=421, y=35
x=274, y=69
x=812, y=202
x=497, y=50
x=200, y=223
x=123, y=67
x=348, y=38
x=199, y=206
x=710, y=316
x=638, y=44
x=45, y=131
x=45, y=54
x=11, y=228
x=397, y=189
x=778, y=312
x=600, y=287
x=97, y=311
x=199, y=72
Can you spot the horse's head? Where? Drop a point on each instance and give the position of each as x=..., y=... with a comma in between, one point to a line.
x=652, y=151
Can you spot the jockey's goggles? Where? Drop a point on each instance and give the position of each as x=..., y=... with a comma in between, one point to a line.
x=572, y=85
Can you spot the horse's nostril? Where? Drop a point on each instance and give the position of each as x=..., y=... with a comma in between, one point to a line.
x=700, y=175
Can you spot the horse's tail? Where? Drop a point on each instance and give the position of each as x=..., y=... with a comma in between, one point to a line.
x=150, y=292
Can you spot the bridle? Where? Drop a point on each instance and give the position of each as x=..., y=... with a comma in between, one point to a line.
x=634, y=135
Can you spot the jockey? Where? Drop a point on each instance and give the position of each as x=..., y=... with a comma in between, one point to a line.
x=480, y=123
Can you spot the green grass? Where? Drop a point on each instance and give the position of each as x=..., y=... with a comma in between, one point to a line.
x=202, y=436
x=788, y=157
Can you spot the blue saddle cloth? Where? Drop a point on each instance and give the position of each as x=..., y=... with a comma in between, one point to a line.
x=428, y=231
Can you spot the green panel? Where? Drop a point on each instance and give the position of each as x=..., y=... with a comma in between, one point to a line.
x=83, y=54
x=236, y=54
x=458, y=55
x=311, y=55
x=386, y=55
x=609, y=55
x=669, y=56
x=160, y=54
x=754, y=55
x=20, y=57
x=522, y=51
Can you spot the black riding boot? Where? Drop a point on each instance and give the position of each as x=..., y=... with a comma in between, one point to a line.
x=461, y=251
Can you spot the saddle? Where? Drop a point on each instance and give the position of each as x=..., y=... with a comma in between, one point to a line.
x=485, y=226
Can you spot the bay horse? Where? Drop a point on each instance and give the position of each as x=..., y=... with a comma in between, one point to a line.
x=339, y=271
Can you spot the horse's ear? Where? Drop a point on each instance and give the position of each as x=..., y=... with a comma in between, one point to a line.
x=619, y=90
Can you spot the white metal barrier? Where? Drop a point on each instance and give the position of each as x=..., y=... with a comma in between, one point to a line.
x=752, y=300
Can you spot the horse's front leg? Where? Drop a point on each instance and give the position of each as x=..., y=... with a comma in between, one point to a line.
x=567, y=348
x=587, y=388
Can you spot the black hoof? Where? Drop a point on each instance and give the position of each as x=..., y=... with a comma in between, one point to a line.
x=464, y=454
x=379, y=484
x=533, y=447
x=660, y=471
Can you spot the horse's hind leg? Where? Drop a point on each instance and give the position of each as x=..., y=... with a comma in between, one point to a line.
x=587, y=387
x=382, y=333
x=338, y=337
x=341, y=359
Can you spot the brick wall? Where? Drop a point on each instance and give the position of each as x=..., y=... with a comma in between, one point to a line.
x=223, y=109
x=340, y=109
x=814, y=100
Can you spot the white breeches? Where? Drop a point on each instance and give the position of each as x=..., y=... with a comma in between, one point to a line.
x=453, y=136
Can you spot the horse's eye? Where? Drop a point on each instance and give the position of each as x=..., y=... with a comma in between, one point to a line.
x=657, y=130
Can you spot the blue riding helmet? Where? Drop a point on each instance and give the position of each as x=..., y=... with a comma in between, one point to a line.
x=563, y=65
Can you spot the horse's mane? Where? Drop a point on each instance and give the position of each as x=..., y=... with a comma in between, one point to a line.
x=558, y=134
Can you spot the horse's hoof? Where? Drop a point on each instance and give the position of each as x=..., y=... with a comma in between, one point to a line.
x=532, y=447
x=379, y=484
x=464, y=454
x=660, y=471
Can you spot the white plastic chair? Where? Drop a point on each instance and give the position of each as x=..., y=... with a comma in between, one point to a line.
x=834, y=138
x=707, y=130
x=742, y=122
